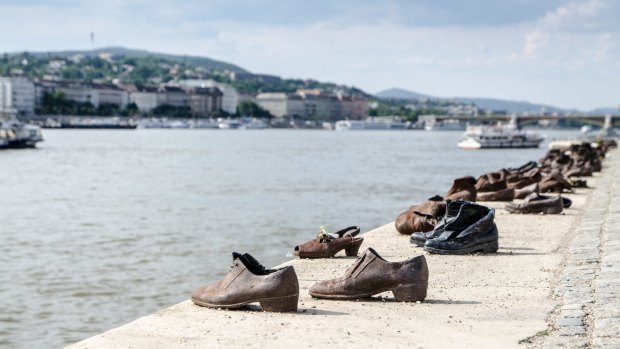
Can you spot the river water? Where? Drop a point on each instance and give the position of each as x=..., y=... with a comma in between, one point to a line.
x=98, y=228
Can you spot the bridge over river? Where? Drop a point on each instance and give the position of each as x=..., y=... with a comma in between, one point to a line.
x=603, y=121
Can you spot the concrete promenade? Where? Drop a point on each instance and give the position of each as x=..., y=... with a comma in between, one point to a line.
x=587, y=314
x=555, y=282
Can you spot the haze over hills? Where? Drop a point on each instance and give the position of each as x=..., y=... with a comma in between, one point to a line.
x=196, y=61
x=490, y=103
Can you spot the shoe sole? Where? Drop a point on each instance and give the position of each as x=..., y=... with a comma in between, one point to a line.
x=417, y=243
x=549, y=210
x=274, y=304
x=403, y=293
x=491, y=247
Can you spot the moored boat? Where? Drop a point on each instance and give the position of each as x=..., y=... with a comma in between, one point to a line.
x=499, y=136
x=16, y=134
x=351, y=125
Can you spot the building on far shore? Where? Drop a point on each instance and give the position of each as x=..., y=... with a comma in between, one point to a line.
x=281, y=104
x=230, y=96
x=17, y=96
x=109, y=94
x=205, y=101
x=146, y=98
x=95, y=94
x=174, y=96
x=313, y=104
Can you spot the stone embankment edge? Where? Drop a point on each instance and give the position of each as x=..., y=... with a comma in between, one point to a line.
x=588, y=289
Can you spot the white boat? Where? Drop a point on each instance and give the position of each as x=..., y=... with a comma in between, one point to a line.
x=253, y=125
x=228, y=124
x=499, y=136
x=350, y=125
x=16, y=134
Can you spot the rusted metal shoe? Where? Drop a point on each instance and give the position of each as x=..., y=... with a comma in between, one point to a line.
x=463, y=188
x=466, y=228
x=536, y=203
x=501, y=195
x=277, y=290
x=371, y=274
x=523, y=192
x=326, y=245
x=421, y=218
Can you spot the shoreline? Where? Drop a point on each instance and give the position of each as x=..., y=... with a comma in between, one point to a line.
x=494, y=300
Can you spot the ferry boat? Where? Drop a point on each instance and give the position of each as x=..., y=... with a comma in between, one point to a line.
x=16, y=134
x=94, y=123
x=499, y=136
x=350, y=125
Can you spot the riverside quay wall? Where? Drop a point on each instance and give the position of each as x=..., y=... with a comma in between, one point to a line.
x=555, y=282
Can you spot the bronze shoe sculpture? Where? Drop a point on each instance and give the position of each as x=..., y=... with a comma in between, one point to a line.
x=536, y=203
x=555, y=183
x=524, y=179
x=371, y=274
x=327, y=245
x=492, y=181
x=466, y=228
x=463, y=188
x=500, y=195
x=523, y=192
x=277, y=290
x=421, y=217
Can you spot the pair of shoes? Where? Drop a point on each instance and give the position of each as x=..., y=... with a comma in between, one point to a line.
x=277, y=290
x=421, y=217
x=466, y=228
x=536, y=203
x=326, y=245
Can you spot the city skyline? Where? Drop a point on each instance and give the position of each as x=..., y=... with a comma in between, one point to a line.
x=562, y=53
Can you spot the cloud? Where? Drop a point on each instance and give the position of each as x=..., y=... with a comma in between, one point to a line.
x=443, y=47
x=534, y=41
x=573, y=10
x=567, y=16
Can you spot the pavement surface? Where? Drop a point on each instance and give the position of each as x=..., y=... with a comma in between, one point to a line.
x=555, y=282
x=587, y=292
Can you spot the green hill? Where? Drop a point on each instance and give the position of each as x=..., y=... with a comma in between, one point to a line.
x=123, y=65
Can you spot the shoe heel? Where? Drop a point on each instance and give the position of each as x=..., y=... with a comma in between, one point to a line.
x=410, y=293
x=352, y=250
x=490, y=247
x=281, y=304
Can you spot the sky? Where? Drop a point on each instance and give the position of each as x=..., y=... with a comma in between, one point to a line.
x=565, y=53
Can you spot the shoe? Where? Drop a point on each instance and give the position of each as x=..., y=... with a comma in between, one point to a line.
x=327, y=245
x=536, y=203
x=522, y=180
x=371, y=274
x=578, y=183
x=421, y=218
x=523, y=169
x=463, y=188
x=452, y=210
x=492, y=181
x=502, y=195
x=471, y=230
x=277, y=290
x=523, y=192
x=555, y=183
